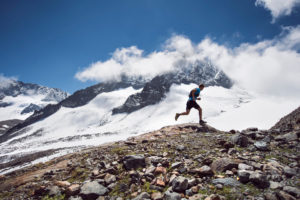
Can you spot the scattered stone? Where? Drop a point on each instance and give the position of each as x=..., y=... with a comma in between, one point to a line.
x=243, y=176
x=197, y=197
x=92, y=190
x=262, y=146
x=109, y=178
x=75, y=198
x=180, y=148
x=54, y=191
x=170, y=195
x=284, y=196
x=226, y=182
x=63, y=183
x=156, y=196
x=160, y=170
x=270, y=196
x=259, y=180
x=243, y=166
x=73, y=189
x=215, y=197
x=223, y=164
x=176, y=165
x=292, y=190
x=143, y=196
x=289, y=172
x=180, y=184
x=134, y=161
x=275, y=185
x=240, y=140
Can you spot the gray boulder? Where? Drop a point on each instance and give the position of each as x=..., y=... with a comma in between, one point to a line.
x=180, y=184
x=262, y=146
x=292, y=190
x=226, y=182
x=92, y=190
x=223, y=164
x=259, y=180
x=244, y=176
x=134, y=161
x=143, y=196
x=239, y=139
x=170, y=195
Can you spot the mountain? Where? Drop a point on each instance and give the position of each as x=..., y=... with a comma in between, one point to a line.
x=289, y=122
x=94, y=115
x=186, y=161
x=19, y=100
x=155, y=90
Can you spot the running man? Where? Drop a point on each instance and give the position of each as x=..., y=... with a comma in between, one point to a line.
x=191, y=103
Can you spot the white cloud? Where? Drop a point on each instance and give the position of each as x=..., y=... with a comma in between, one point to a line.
x=267, y=67
x=6, y=81
x=278, y=8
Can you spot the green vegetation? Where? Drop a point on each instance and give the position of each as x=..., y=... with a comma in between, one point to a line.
x=58, y=197
x=78, y=174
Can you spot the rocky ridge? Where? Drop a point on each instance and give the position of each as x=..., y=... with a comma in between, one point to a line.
x=185, y=161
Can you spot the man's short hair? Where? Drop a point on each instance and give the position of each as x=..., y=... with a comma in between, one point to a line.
x=201, y=85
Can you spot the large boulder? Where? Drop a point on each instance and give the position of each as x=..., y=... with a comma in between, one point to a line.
x=134, y=161
x=223, y=164
x=226, y=181
x=259, y=180
x=262, y=146
x=240, y=140
x=180, y=184
x=92, y=190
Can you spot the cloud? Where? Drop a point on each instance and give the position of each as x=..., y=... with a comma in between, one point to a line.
x=6, y=81
x=268, y=67
x=278, y=8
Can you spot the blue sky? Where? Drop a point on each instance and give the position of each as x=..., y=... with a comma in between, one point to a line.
x=48, y=42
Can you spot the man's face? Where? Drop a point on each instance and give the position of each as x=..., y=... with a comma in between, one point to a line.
x=201, y=87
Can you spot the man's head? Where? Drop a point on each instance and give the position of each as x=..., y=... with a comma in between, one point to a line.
x=201, y=86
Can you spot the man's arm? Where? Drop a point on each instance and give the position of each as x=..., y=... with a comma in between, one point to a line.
x=193, y=94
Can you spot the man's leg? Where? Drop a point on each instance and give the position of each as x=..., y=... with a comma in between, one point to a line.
x=183, y=113
x=200, y=113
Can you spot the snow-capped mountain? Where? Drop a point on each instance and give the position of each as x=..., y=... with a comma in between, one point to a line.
x=19, y=100
x=115, y=110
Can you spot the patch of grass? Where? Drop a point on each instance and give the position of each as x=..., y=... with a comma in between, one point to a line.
x=146, y=188
x=78, y=174
x=117, y=190
x=119, y=150
x=5, y=195
x=58, y=197
x=251, y=189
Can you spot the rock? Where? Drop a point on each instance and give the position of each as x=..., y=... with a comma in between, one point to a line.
x=262, y=146
x=180, y=184
x=73, y=189
x=205, y=171
x=192, y=182
x=54, y=191
x=160, y=170
x=215, y=197
x=155, y=160
x=287, y=137
x=176, y=165
x=240, y=140
x=292, y=191
x=289, y=172
x=243, y=166
x=223, y=164
x=250, y=134
x=243, y=176
x=160, y=182
x=259, y=180
x=142, y=196
x=284, y=196
x=134, y=161
x=275, y=185
x=232, y=151
x=150, y=170
x=156, y=196
x=226, y=182
x=109, y=178
x=197, y=197
x=92, y=190
x=270, y=196
x=180, y=148
x=170, y=195
x=189, y=192
x=62, y=183
x=75, y=198
x=252, y=129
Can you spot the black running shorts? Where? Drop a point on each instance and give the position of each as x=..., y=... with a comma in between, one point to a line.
x=192, y=104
